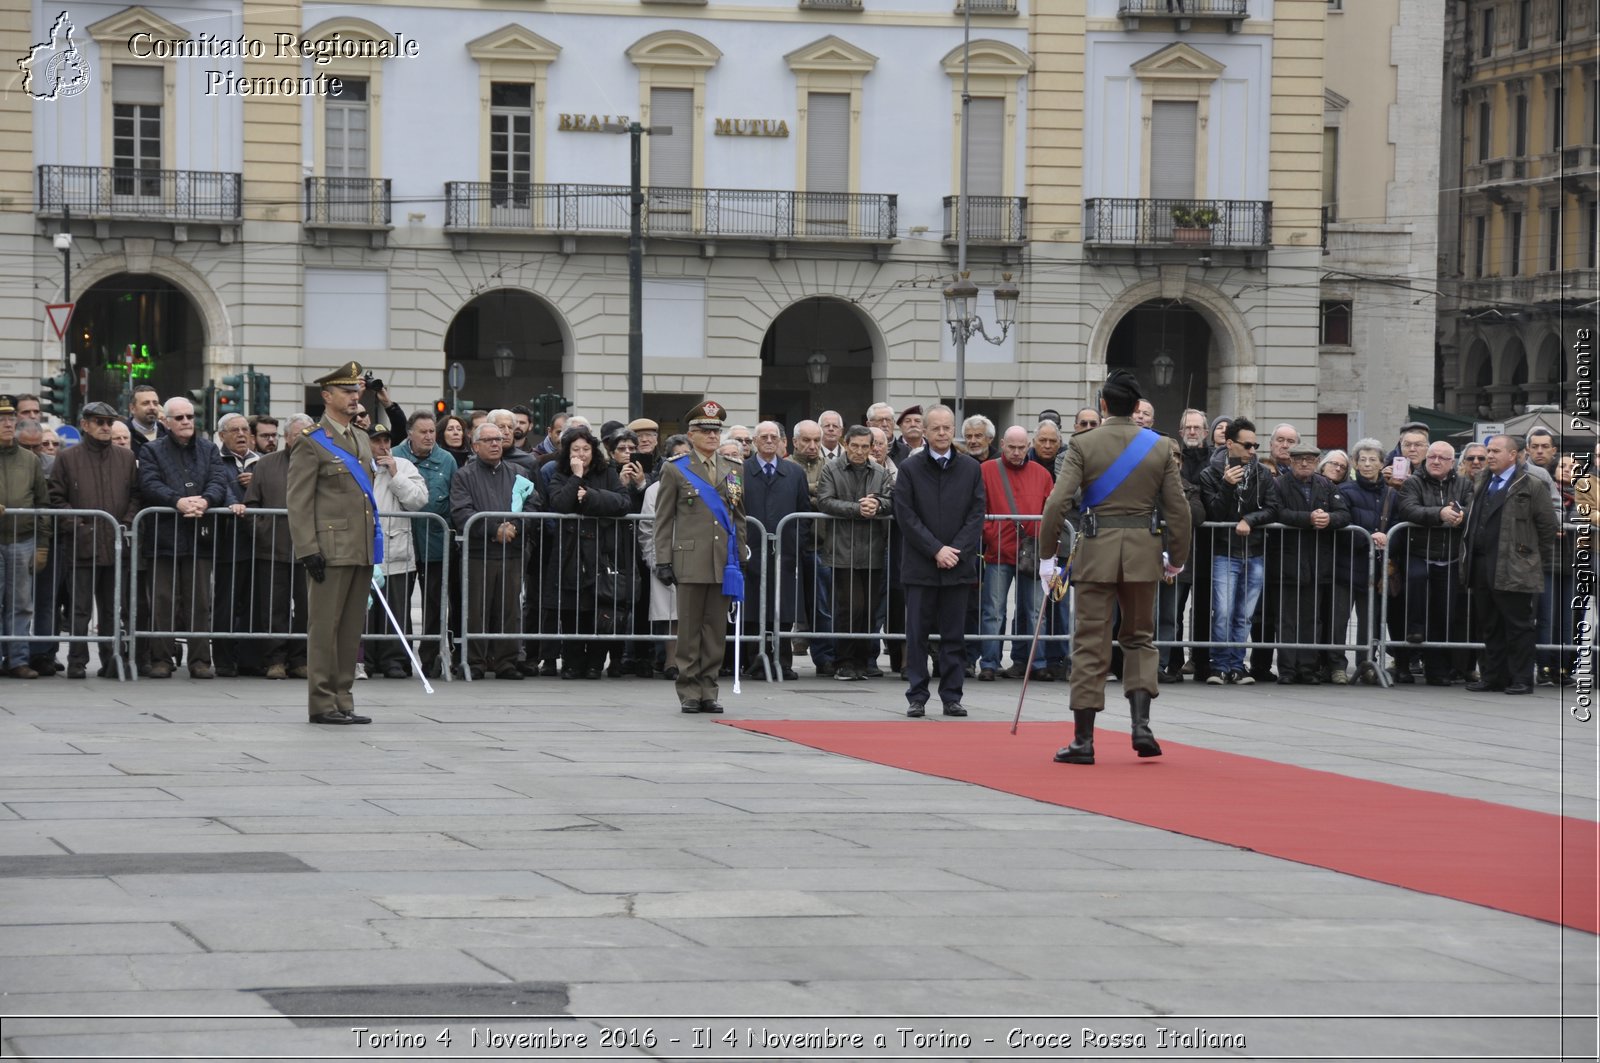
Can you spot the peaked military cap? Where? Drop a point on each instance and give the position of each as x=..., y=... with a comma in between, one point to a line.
x=347, y=375
x=378, y=429
x=708, y=413
x=8, y=404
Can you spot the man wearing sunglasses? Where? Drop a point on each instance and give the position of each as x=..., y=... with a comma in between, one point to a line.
x=1238, y=492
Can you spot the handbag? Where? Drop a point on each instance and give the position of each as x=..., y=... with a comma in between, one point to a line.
x=1027, y=545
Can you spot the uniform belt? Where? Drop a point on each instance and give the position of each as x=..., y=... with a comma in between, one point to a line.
x=1123, y=521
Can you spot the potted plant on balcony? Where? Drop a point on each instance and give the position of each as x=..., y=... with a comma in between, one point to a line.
x=1192, y=225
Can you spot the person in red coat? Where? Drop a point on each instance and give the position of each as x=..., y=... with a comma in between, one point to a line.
x=1014, y=485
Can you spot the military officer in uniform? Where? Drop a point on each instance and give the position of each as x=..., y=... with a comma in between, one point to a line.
x=333, y=526
x=700, y=545
x=1130, y=479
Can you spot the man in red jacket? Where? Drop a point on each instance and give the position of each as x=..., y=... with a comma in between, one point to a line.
x=1013, y=485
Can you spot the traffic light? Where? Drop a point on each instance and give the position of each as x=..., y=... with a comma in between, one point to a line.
x=545, y=408
x=441, y=408
x=260, y=394
x=55, y=396
x=204, y=400
x=230, y=396
x=465, y=406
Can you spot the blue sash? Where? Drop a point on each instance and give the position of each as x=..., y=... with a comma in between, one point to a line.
x=353, y=463
x=1140, y=445
x=732, y=573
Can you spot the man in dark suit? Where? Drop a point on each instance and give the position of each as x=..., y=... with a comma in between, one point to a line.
x=775, y=488
x=1511, y=529
x=333, y=521
x=939, y=504
x=1119, y=559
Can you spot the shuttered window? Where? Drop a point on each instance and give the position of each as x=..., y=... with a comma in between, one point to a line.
x=672, y=157
x=136, y=129
x=1173, y=126
x=828, y=142
x=986, y=141
x=345, y=154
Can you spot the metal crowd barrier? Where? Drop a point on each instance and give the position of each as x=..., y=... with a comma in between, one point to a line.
x=229, y=587
x=585, y=593
x=73, y=591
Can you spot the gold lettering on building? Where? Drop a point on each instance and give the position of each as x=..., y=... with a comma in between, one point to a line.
x=752, y=127
x=589, y=123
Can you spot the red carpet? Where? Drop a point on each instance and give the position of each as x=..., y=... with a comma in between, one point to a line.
x=1529, y=863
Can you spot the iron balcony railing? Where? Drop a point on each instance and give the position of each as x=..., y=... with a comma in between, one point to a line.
x=128, y=192
x=1243, y=223
x=357, y=201
x=1182, y=9
x=756, y=214
x=987, y=7
x=990, y=219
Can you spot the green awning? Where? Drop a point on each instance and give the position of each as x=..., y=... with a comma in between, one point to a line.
x=1441, y=423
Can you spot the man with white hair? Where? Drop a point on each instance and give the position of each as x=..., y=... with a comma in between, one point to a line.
x=1013, y=485
x=977, y=434
x=235, y=555
x=832, y=426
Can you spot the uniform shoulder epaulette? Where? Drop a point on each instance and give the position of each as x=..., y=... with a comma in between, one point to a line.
x=308, y=429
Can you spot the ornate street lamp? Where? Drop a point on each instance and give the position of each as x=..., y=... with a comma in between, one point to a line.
x=505, y=361
x=817, y=369
x=1164, y=367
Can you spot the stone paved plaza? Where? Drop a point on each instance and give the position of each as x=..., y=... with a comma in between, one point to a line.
x=191, y=871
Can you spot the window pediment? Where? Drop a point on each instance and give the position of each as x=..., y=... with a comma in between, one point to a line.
x=345, y=26
x=989, y=57
x=116, y=29
x=513, y=43
x=674, y=48
x=1178, y=62
x=831, y=54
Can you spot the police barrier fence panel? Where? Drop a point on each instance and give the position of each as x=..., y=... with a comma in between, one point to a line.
x=538, y=586
x=1303, y=591
x=838, y=587
x=61, y=578
x=1433, y=605
x=229, y=587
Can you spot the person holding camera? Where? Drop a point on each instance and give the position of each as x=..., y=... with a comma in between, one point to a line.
x=1238, y=492
x=333, y=523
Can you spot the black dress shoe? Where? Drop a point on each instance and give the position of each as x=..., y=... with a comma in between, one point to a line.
x=508, y=672
x=77, y=671
x=954, y=709
x=825, y=670
x=1404, y=676
x=725, y=670
x=1482, y=685
x=353, y=718
x=591, y=673
x=394, y=671
x=336, y=719
x=670, y=674
x=1437, y=681
x=643, y=670
x=917, y=711
x=570, y=673
x=790, y=675
x=1518, y=688
x=986, y=675
x=1169, y=677
x=689, y=705
x=872, y=672
x=711, y=705
x=547, y=668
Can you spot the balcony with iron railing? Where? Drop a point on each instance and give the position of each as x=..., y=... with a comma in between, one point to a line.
x=348, y=203
x=689, y=213
x=1548, y=287
x=1244, y=224
x=990, y=219
x=986, y=7
x=1185, y=13
x=830, y=5
x=139, y=194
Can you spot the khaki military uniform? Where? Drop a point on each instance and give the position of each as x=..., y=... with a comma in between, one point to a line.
x=690, y=539
x=329, y=515
x=1121, y=565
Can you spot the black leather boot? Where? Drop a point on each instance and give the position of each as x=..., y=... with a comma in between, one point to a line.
x=1144, y=743
x=1081, y=751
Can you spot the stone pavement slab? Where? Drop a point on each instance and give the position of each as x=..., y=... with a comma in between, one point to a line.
x=651, y=863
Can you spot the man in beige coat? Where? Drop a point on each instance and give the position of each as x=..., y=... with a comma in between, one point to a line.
x=693, y=553
x=1119, y=557
x=333, y=522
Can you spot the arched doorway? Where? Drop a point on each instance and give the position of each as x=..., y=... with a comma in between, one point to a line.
x=817, y=355
x=149, y=315
x=1167, y=345
x=512, y=346
x=1515, y=361
x=1477, y=378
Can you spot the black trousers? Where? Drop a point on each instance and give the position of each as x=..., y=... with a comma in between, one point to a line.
x=93, y=589
x=855, y=603
x=1300, y=603
x=938, y=610
x=430, y=577
x=1507, y=623
x=385, y=651
x=233, y=607
x=280, y=607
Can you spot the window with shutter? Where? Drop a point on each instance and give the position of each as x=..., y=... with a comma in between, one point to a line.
x=671, y=159
x=510, y=143
x=136, y=93
x=1173, y=128
x=827, y=161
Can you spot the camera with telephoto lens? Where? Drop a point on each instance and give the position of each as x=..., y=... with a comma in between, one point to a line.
x=372, y=383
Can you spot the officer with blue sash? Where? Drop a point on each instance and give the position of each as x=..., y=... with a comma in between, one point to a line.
x=1130, y=480
x=700, y=549
x=334, y=527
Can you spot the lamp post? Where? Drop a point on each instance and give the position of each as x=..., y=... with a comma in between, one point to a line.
x=961, y=297
x=505, y=361
x=635, y=132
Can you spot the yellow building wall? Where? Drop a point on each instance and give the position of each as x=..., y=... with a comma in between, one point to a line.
x=1054, y=167
x=272, y=188
x=1294, y=177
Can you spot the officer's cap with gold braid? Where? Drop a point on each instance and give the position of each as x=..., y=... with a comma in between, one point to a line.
x=347, y=375
x=709, y=414
x=8, y=404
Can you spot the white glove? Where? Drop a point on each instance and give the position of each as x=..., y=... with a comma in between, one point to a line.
x=1047, y=572
x=1168, y=570
x=379, y=576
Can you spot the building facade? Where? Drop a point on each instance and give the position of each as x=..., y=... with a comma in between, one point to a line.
x=1151, y=177
x=1518, y=238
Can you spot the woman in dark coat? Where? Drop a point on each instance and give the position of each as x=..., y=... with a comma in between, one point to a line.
x=1372, y=506
x=630, y=658
x=581, y=562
